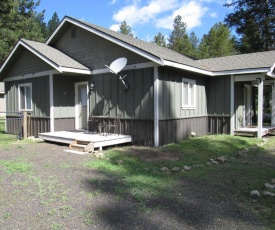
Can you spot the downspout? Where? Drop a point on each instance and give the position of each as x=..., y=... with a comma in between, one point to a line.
x=51, y=103
x=156, y=106
x=232, y=114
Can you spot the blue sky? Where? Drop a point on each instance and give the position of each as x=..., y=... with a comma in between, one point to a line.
x=146, y=17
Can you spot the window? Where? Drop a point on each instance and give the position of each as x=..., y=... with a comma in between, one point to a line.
x=188, y=93
x=25, y=96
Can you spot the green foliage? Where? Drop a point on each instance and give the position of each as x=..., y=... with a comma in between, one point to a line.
x=12, y=166
x=217, y=43
x=124, y=28
x=159, y=39
x=254, y=21
x=52, y=24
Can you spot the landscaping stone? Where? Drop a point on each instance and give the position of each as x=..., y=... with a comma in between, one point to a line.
x=273, y=181
x=221, y=159
x=255, y=194
x=165, y=170
x=186, y=168
x=99, y=155
x=213, y=162
x=268, y=194
x=208, y=163
x=175, y=169
x=269, y=186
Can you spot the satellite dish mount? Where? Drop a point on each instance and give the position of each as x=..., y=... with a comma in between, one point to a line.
x=118, y=65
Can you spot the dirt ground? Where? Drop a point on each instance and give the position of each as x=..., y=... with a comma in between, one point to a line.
x=60, y=192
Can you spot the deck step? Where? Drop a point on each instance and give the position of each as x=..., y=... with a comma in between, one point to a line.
x=82, y=146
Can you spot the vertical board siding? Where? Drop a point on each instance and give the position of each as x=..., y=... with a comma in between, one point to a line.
x=170, y=86
x=109, y=97
x=174, y=130
x=40, y=98
x=218, y=125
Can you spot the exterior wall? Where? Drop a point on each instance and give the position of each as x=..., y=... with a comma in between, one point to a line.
x=2, y=100
x=239, y=106
x=170, y=88
x=108, y=98
x=64, y=124
x=92, y=50
x=40, y=96
x=27, y=63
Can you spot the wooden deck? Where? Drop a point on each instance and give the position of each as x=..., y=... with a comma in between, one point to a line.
x=98, y=140
x=252, y=131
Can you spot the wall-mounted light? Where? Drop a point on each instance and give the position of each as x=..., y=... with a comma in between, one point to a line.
x=92, y=85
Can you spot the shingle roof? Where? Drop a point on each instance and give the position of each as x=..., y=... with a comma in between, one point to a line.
x=241, y=61
x=235, y=62
x=55, y=55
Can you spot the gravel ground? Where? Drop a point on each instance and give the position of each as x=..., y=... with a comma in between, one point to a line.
x=60, y=192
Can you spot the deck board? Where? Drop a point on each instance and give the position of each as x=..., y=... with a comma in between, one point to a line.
x=99, y=140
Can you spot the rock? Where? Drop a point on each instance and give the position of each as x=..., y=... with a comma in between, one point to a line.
x=120, y=162
x=99, y=155
x=186, y=168
x=273, y=181
x=213, y=162
x=193, y=134
x=165, y=170
x=208, y=163
x=255, y=194
x=266, y=194
x=221, y=159
x=175, y=169
x=269, y=186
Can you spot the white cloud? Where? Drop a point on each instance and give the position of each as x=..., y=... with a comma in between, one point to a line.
x=115, y=27
x=213, y=15
x=134, y=14
x=191, y=13
x=113, y=2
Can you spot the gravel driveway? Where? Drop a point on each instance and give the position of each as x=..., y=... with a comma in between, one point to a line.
x=60, y=192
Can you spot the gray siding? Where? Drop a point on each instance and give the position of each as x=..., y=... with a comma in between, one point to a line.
x=218, y=95
x=64, y=124
x=239, y=104
x=170, y=87
x=109, y=98
x=92, y=50
x=28, y=63
x=40, y=96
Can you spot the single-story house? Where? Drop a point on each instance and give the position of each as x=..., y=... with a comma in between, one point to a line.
x=63, y=81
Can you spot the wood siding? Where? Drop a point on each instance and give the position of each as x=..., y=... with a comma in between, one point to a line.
x=174, y=130
x=218, y=124
x=64, y=124
x=92, y=50
x=239, y=104
x=40, y=96
x=27, y=63
x=109, y=98
x=170, y=98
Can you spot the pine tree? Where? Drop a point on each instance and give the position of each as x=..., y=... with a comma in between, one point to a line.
x=217, y=43
x=18, y=19
x=159, y=39
x=254, y=21
x=179, y=40
x=52, y=24
x=124, y=28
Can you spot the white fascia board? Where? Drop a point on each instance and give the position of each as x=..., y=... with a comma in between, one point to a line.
x=242, y=71
x=128, y=67
x=186, y=67
x=271, y=71
x=28, y=76
x=9, y=57
x=109, y=38
x=71, y=70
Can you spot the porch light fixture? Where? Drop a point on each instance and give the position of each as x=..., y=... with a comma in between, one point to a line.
x=92, y=85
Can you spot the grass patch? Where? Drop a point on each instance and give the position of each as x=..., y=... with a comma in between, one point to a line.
x=143, y=179
x=12, y=166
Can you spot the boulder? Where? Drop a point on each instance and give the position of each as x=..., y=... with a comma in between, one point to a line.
x=175, y=169
x=269, y=186
x=221, y=159
x=273, y=181
x=186, y=168
x=165, y=170
x=268, y=194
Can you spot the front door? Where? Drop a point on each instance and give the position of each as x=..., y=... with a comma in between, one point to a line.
x=82, y=108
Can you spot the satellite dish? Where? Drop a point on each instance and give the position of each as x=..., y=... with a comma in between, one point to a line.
x=117, y=65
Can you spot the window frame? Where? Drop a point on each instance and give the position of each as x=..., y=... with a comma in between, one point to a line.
x=189, y=104
x=25, y=85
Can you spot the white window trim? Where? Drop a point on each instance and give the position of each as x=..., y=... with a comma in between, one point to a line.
x=19, y=96
x=189, y=106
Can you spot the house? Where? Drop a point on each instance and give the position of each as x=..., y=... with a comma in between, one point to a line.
x=2, y=100
x=63, y=81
